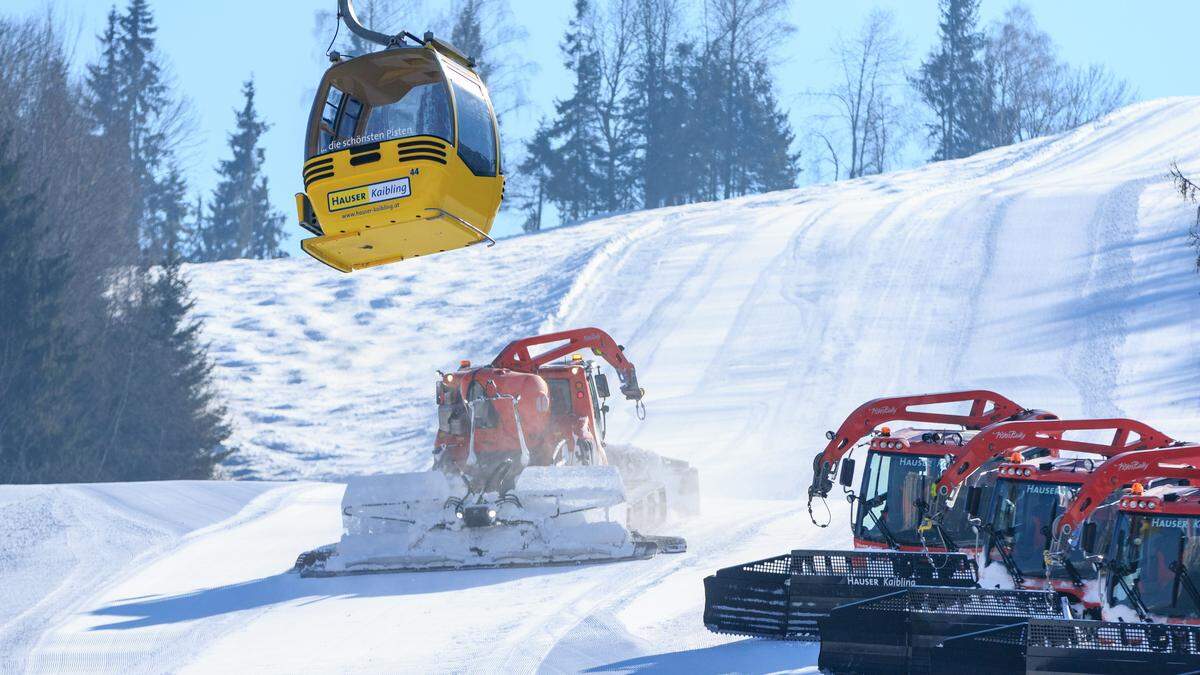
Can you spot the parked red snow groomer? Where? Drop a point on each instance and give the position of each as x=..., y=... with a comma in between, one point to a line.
x=1026, y=495
x=1141, y=510
x=784, y=596
x=522, y=474
x=926, y=629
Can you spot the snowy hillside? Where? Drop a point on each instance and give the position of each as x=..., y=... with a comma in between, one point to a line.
x=1057, y=272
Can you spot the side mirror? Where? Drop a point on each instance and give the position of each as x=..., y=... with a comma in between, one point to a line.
x=974, y=496
x=846, y=477
x=1087, y=538
x=830, y=435
x=602, y=385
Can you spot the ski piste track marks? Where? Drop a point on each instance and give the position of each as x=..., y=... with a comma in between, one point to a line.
x=1093, y=361
x=89, y=582
x=755, y=324
x=595, y=610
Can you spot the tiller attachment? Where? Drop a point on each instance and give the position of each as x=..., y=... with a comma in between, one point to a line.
x=785, y=596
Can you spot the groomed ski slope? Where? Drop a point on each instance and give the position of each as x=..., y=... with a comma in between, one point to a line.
x=1057, y=271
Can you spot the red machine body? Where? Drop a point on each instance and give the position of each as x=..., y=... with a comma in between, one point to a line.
x=1028, y=493
x=987, y=407
x=1155, y=547
x=1128, y=435
x=1153, y=541
x=1175, y=462
x=527, y=405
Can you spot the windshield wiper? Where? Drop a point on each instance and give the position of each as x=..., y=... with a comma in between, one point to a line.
x=1131, y=592
x=1183, y=578
x=1005, y=555
x=1076, y=578
x=886, y=531
x=1063, y=559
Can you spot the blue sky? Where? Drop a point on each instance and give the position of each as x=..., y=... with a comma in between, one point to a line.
x=212, y=47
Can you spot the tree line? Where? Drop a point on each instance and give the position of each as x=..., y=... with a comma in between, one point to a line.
x=661, y=115
x=103, y=375
x=130, y=99
x=978, y=88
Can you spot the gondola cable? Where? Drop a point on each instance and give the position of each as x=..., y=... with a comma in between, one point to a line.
x=336, y=30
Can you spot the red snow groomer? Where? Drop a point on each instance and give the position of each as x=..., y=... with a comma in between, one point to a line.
x=521, y=476
x=1026, y=495
x=1114, y=539
x=784, y=596
x=901, y=465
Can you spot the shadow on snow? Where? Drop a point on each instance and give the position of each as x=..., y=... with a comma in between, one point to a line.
x=743, y=656
x=289, y=587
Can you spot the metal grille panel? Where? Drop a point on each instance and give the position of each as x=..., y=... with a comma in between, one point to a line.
x=1147, y=638
x=966, y=601
x=920, y=568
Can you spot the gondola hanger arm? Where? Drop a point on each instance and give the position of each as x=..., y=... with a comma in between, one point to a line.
x=346, y=12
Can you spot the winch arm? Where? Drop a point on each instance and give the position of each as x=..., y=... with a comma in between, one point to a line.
x=987, y=407
x=1000, y=438
x=516, y=355
x=1129, y=467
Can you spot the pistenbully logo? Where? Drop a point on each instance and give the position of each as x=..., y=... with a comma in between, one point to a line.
x=1010, y=435
x=883, y=410
x=1133, y=466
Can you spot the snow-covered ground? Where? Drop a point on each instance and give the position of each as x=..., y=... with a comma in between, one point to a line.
x=1057, y=272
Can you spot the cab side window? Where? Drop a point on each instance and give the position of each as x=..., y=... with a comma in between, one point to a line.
x=560, y=397
x=351, y=113
x=329, y=114
x=476, y=134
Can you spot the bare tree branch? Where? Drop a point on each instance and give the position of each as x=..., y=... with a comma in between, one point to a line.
x=870, y=66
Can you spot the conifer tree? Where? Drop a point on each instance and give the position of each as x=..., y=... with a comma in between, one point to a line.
x=103, y=82
x=675, y=142
x=90, y=381
x=951, y=83
x=165, y=420
x=130, y=101
x=536, y=172
x=467, y=35
x=765, y=158
x=241, y=222
x=573, y=186
x=651, y=115
x=142, y=90
x=167, y=233
x=38, y=359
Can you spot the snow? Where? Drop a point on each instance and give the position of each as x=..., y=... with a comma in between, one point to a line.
x=1057, y=272
x=406, y=521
